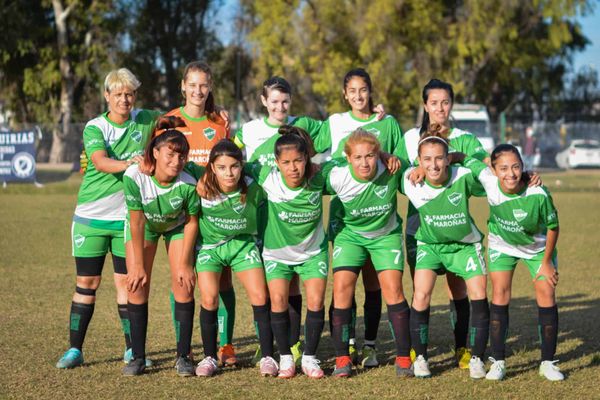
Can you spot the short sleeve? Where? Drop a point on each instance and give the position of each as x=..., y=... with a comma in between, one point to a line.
x=194, y=170
x=322, y=141
x=325, y=175
x=238, y=138
x=192, y=201
x=133, y=197
x=310, y=125
x=549, y=212
x=93, y=140
x=474, y=148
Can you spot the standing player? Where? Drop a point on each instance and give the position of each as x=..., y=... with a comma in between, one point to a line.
x=164, y=204
x=228, y=225
x=113, y=141
x=372, y=229
x=523, y=224
x=357, y=90
x=447, y=240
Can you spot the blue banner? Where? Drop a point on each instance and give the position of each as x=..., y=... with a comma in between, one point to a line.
x=17, y=156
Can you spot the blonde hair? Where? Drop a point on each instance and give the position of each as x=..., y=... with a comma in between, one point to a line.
x=121, y=78
x=361, y=136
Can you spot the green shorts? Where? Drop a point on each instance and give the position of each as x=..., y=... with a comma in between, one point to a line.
x=239, y=253
x=351, y=250
x=150, y=236
x=463, y=260
x=499, y=261
x=316, y=267
x=90, y=241
x=336, y=218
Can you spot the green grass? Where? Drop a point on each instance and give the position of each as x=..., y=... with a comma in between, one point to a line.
x=38, y=277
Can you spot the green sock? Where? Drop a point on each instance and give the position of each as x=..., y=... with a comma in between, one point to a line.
x=226, y=316
x=175, y=325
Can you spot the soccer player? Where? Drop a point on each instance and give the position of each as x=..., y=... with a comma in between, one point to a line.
x=523, y=224
x=228, y=226
x=447, y=240
x=113, y=141
x=372, y=228
x=163, y=204
x=357, y=90
x=295, y=244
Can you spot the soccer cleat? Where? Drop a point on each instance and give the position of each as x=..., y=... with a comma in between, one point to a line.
x=128, y=355
x=403, y=367
x=497, y=370
x=207, y=367
x=287, y=367
x=413, y=355
x=71, y=359
x=550, y=371
x=369, y=357
x=353, y=352
x=268, y=366
x=311, y=367
x=463, y=356
x=257, y=357
x=476, y=368
x=343, y=367
x=297, y=353
x=184, y=366
x=227, y=357
x=421, y=367
x=135, y=366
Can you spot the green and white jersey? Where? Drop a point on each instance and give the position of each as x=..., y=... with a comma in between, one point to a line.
x=444, y=211
x=165, y=207
x=459, y=141
x=101, y=195
x=338, y=127
x=518, y=222
x=369, y=206
x=258, y=137
x=294, y=231
x=226, y=216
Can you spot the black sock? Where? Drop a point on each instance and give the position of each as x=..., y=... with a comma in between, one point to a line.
x=372, y=309
x=262, y=322
x=125, y=325
x=80, y=317
x=295, y=315
x=313, y=327
x=548, y=331
x=184, y=322
x=498, y=330
x=330, y=315
x=459, y=317
x=419, y=330
x=280, y=323
x=352, y=324
x=208, y=330
x=138, y=318
x=480, y=327
x=399, y=317
x=341, y=330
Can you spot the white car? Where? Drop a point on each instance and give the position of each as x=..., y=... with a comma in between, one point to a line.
x=581, y=153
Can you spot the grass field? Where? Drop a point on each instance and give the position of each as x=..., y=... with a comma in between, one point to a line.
x=38, y=277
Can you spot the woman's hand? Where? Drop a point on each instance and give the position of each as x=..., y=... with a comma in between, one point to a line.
x=186, y=277
x=380, y=111
x=392, y=162
x=548, y=271
x=534, y=179
x=417, y=175
x=201, y=189
x=224, y=114
x=144, y=168
x=137, y=278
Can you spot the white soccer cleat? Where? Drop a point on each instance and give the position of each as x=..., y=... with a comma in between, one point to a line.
x=550, y=371
x=421, y=367
x=476, y=368
x=497, y=371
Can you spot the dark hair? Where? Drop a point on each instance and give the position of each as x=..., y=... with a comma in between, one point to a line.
x=434, y=84
x=165, y=134
x=433, y=138
x=210, y=109
x=224, y=147
x=361, y=73
x=297, y=139
x=509, y=148
x=276, y=83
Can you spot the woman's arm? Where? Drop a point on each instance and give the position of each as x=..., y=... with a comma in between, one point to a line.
x=547, y=269
x=186, y=275
x=136, y=273
x=103, y=163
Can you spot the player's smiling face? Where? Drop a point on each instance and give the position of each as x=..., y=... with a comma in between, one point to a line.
x=509, y=170
x=357, y=94
x=292, y=165
x=169, y=163
x=278, y=105
x=363, y=160
x=228, y=171
x=196, y=88
x=438, y=106
x=434, y=160
x=120, y=102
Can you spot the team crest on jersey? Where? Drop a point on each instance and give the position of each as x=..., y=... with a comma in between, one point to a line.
x=494, y=255
x=519, y=214
x=78, y=240
x=175, y=202
x=209, y=133
x=137, y=136
x=381, y=192
x=239, y=207
x=374, y=131
x=336, y=251
x=314, y=198
x=420, y=255
x=203, y=258
x=455, y=198
x=270, y=266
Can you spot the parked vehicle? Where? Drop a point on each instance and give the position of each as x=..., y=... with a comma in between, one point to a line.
x=475, y=119
x=581, y=153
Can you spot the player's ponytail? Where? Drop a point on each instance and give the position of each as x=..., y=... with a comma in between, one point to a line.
x=361, y=73
x=433, y=84
x=166, y=133
x=210, y=108
x=225, y=147
x=294, y=138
